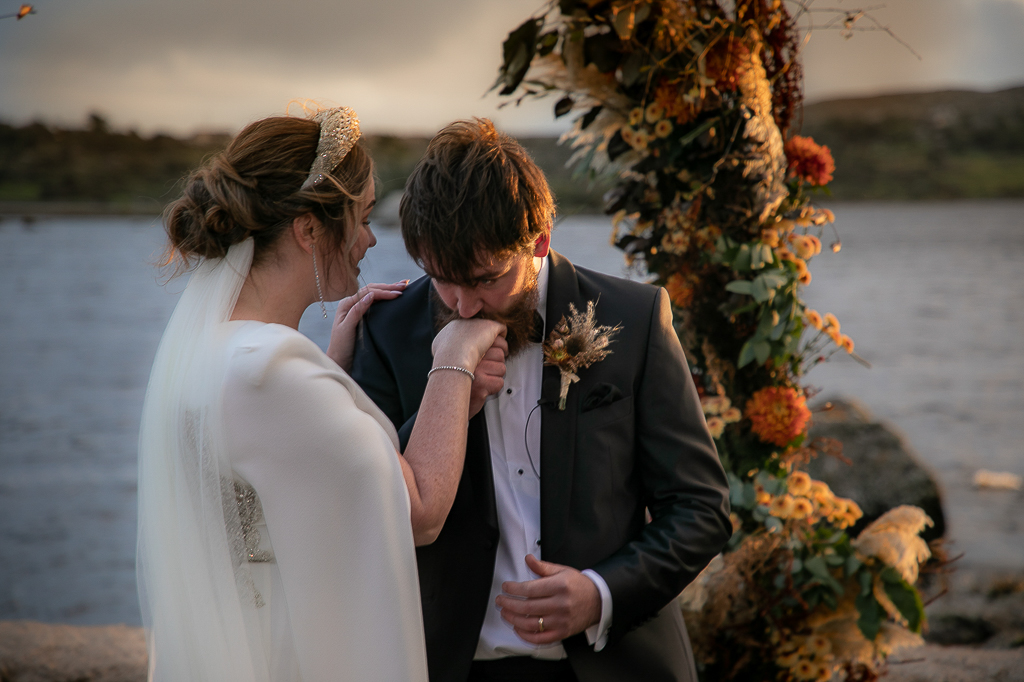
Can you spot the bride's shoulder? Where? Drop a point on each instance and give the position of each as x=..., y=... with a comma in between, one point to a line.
x=256, y=349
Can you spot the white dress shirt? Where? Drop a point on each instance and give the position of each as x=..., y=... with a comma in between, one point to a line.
x=513, y=429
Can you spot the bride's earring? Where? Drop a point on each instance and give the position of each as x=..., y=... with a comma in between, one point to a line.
x=319, y=290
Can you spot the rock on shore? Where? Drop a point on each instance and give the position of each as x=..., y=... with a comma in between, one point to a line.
x=41, y=652
x=885, y=471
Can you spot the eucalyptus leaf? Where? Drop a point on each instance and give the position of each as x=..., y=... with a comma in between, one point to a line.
x=871, y=615
x=773, y=524
x=797, y=565
x=762, y=351
x=834, y=560
x=742, y=260
x=865, y=578
x=779, y=329
x=746, y=354
x=740, y=286
x=816, y=565
x=759, y=290
x=908, y=601
x=852, y=564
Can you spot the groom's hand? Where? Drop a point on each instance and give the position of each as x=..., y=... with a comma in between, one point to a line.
x=490, y=376
x=567, y=600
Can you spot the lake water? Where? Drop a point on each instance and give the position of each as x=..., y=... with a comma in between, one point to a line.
x=933, y=295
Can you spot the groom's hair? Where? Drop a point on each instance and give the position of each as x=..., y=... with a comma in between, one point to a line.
x=475, y=194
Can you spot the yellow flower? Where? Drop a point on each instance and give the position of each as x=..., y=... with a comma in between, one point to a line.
x=654, y=112
x=762, y=497
x=732, y=415
x=798, y=483
x=815, y=242
x=820, y=492
x=636, y=116
x=846, y=343
x=822, y=673
x=736, y=522
x=802, y=273
x=770, y=236
x=785, y=225
x=640, y=140
x=628, y=135
x=831, y=321
x=781, y=506
x=663, y=128
x=830, y=217
x=826, y=506
x=853, y=509
x=716, y=426
x=818, y=645
x=674, y=242
x=805, y=670
x=833, y=333
x=813, y=318
x=803, y=246
x=802, y=508
x=714, y=404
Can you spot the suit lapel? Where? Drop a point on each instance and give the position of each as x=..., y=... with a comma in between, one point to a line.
x=558, y=427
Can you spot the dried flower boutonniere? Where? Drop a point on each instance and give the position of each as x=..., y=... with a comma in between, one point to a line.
x=575, y=344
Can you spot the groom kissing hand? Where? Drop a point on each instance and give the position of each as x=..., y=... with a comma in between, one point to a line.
x=591, y=493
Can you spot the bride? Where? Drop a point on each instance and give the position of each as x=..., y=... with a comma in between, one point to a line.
x=277, y=520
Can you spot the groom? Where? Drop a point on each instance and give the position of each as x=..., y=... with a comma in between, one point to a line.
x=547, y=567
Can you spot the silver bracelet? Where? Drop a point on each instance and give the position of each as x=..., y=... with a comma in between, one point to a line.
x=472, y=377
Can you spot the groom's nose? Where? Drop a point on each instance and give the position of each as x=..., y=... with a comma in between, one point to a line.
x=469, y=302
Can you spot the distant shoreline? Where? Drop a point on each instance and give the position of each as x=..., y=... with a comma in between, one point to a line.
x=33, y=209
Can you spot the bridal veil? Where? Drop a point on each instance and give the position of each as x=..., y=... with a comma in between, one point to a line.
x=196, y=592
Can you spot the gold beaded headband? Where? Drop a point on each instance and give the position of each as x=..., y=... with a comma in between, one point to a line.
x=339, y=130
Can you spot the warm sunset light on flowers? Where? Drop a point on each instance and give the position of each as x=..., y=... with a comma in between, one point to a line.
x=686, y=106
x=813, y=318
x=680, y=290
x=810, y=161
x=778, y=414
x=799, y=483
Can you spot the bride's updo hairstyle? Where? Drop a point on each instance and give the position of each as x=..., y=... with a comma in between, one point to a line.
x=254, y=189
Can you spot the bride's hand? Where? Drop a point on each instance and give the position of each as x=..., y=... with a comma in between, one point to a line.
x=464, y=343
x=342, y=345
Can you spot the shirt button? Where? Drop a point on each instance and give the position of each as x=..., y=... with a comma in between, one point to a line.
x=520, y=472
x=508, y=391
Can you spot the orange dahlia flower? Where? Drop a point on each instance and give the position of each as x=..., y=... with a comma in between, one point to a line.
x=778, y=414
x=810, y=161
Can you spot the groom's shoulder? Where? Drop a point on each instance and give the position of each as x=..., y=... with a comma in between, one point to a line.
x=625, y=296
x=411, y=307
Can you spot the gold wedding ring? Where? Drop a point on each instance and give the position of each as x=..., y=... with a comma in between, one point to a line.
x=540, y=624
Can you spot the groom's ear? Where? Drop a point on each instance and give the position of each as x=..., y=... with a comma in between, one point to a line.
x=542, y=244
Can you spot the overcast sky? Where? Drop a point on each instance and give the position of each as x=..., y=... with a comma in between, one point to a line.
x=406, y=66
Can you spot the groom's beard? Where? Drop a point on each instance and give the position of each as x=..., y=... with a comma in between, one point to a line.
x=519, y=318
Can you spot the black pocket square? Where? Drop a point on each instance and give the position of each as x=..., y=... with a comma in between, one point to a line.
x=603, y=394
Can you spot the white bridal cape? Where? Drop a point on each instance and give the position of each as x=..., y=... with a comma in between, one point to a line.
x=274, y=536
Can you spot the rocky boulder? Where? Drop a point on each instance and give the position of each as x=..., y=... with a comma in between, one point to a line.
x=885, y=471
x=41, y=652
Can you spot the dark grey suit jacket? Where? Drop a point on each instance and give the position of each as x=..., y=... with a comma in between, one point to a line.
x=632, y=437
